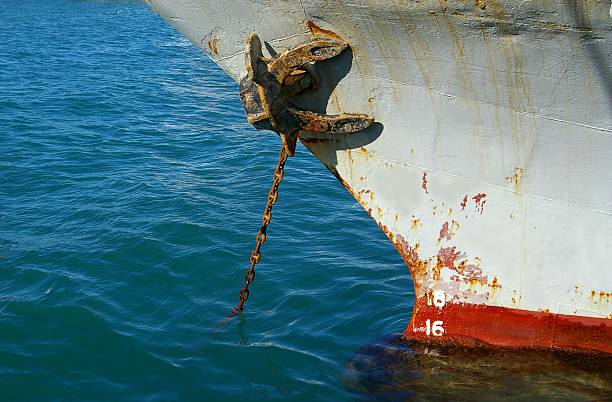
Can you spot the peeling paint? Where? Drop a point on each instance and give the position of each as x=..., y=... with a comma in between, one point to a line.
x=424, y=182
x=444, y=232
x=447, y=231
x=464, y=202
x=480, y=201
x=213, y=45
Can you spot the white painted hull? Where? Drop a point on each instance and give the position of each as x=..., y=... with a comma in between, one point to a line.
x=510, y=100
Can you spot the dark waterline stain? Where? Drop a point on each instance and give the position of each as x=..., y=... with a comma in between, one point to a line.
x=394, y=369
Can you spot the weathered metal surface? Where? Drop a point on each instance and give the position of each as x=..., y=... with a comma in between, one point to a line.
x=269, y=84
x=489, y=166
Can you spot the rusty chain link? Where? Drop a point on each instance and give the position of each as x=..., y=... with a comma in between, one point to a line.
x=260, y=239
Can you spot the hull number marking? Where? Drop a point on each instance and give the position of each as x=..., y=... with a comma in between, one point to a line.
x=438, y=299
x=434, y=329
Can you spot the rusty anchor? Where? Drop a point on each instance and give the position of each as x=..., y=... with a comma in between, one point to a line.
x=266, y=91
x=269, y=84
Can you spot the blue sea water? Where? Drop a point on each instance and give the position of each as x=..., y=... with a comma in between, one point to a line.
x=131, y=189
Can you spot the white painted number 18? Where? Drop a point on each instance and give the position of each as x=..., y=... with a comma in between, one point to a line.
x=439, y=298
x=434, y=329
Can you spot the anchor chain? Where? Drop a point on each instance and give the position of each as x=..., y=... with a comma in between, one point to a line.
x=260, y=239
x=266, y=92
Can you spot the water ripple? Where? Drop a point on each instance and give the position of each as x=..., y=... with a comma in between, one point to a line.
x=131, y=191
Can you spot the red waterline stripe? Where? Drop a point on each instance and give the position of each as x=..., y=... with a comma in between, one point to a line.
x=470, y=324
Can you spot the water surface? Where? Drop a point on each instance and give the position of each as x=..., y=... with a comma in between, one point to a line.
x=131, y=189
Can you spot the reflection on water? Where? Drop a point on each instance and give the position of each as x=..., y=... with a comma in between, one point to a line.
x=396, y=370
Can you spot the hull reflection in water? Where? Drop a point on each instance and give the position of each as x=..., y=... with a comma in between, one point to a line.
x=394, y=369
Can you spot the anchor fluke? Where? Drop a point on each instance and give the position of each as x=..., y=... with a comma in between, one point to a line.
x=269, y=84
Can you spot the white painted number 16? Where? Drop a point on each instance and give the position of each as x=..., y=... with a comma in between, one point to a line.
x=434, y=329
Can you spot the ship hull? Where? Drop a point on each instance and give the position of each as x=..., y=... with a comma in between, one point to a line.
x=489, y=166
